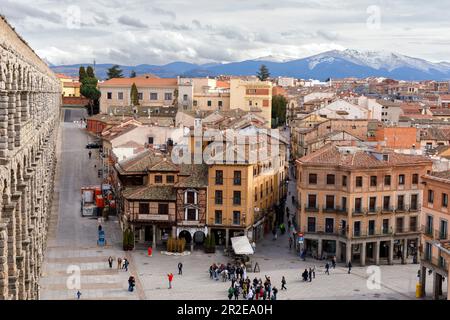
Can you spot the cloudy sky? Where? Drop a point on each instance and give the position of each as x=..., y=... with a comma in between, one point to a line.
x=131, y=32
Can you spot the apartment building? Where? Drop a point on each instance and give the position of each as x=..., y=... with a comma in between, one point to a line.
x=152, y=92
x=360, y=205
x=211, y=94
x=255, y=96
x=435, y=244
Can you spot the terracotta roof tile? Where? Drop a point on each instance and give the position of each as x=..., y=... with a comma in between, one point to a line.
x=140, y=82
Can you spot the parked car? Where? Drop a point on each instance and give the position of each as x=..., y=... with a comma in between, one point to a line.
x=93, y=145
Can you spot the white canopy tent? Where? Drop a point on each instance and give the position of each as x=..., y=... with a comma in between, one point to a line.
x=241, y=245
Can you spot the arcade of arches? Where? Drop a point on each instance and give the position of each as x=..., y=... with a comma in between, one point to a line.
x=29, y=114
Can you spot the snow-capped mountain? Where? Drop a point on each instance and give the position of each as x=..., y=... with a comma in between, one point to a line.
x=330, y=64
x=378, y=60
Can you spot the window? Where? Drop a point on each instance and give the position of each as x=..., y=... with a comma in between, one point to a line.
x=401, y=202
x=140, y=96
x=358, y=207
x=109, y=95
x=373, y=181
x=401, y=179
x=344, y=181
x=194, y=103
x=185, y=97
x=329, y=200
x=312, y=178
x=415, y=178
x=414, y=202
x=219, y=177
x=120, y=95
x=428, y=251
x=236, y=217
x=430, y=196
x=357, y=228
x=312, y=201
x=163, y=208
x=191, y=215
x=445, y=200
x=443, y=230
x=153, y=96
x=209, y=103
x=413, y=224
x=144, y=208
x=158, y=179
x=256, y=193
x=150, y=140
x=371, y=227
x=399, y=224
x=168, y=96
x=219, y=103
x=236, y=197
x=387, y=180
x=386, y=202
x=190, y=197
x=385, y=226
x=218, y=217
x=372, y=204
x=170, y=179
x=429, y=225
x=329, y=225
x=311, y=224
x=237, y=178
x=330, y=178
x=219, y=197
x=359, y=182
x=344, y=203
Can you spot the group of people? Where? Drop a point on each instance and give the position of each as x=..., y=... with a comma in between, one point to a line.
x=227, y=272
x=121, y=263
x=254, y=290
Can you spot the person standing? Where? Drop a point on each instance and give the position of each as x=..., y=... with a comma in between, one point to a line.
x=310, y=275
x=170, y=277
x=333, y=262
x=274, y=293
x=119, y=262
x=349, y=266
x=131, y=283
x=180, y=268
x=78, y=294
x=125, y=264
x=290, y=243
x=254, y=246
x=230, y=292
x=283, y=283
x=314, y=272
x=89, y=154
x=110, y=262
x=327, y=268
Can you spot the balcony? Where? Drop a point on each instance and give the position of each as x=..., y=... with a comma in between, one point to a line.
x=427, y=231
x=359, y=212
x=387, y=209
x=406, y=230
x=375, y=232
x=154, y=217
x=311, y=209
x=436, y=261
x=414, y=207
x=335, y=209
x=401, y=209
x=323, y=230
x=374, y=210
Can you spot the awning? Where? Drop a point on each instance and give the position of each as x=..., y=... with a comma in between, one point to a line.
x=241, y=245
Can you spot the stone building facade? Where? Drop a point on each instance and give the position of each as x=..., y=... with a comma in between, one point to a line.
x=29, y=113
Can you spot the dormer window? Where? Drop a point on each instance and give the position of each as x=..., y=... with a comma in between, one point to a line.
x=385, y=157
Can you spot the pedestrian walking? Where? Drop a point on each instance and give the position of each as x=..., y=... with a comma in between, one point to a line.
x=290, y=243
x=170, y=277
x=310, y=275
x=110, y=261
x=333, y=262
x=119, y=263
x=131, y=283
x=230, y=292
x=125, y=264
x=283, y=283
x=89, y=154
x=305, y=275
x=78, y=294
x=314, y=272
x=349, y=266
x=327, y=268
x=180, y=268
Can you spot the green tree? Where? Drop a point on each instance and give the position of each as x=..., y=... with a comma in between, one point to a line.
x=263, y=73
x=114, y=72
x=82, y=73
x=133, y=74
x=279, y=104
x=89, y=90
x=134, y=95
x=90, y=72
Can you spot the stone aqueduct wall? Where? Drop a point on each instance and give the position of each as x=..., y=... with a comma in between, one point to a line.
x=29, y=115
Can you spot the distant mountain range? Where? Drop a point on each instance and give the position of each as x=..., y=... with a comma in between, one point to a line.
x=330, y=64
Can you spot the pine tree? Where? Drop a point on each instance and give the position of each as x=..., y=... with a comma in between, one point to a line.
x=82, y=74
x=263, y=73
x=134, y=95
x=114, y=72
x=90, y=72
x=133, y=74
